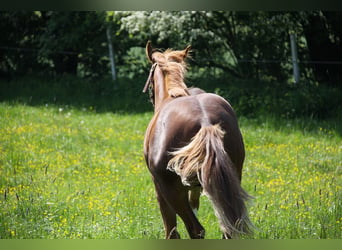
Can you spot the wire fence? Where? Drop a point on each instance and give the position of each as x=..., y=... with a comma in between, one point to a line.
x=261, y=61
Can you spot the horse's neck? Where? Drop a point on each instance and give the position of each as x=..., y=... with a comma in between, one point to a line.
x=164, y=87
x=160, y=91
x=176, y=86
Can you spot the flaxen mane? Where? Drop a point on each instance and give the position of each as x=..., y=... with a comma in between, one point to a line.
x=174, y=67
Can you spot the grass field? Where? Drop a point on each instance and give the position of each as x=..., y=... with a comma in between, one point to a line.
x=76, y=173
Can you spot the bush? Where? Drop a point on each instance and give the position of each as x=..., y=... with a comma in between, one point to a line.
x=123, y=95
x=255, y=97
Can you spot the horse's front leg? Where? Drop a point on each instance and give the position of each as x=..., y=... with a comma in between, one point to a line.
x=194, y=197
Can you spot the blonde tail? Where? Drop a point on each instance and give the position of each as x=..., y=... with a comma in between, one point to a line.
x=205, y=161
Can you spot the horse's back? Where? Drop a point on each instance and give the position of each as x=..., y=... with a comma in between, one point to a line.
x=204, y=109
x=188, y=114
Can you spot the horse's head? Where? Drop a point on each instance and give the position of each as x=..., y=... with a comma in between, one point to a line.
x=175, y=56
x=172, y=65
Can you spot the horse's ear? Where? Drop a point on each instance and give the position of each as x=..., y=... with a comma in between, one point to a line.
x=186, y=51
x=149, y=51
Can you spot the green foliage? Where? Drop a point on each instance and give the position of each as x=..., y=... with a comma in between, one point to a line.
x=255, y=97
x=51, y=43
x=249, y=45
x=75, y=38
x=18, y=31
x=243, y=44
x=135, y=64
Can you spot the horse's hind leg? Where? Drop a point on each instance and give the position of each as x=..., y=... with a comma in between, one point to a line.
x=176, y=195
x=169, y=217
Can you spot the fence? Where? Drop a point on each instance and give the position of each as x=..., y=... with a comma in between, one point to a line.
x=294, y=58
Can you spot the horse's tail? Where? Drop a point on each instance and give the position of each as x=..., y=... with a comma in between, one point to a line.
x=204, y=160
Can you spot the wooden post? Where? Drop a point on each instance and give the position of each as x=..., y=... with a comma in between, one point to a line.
x=294, y=58
x=111, y=52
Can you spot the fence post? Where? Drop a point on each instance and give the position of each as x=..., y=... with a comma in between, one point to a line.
x=294, y=57
x=111, y=53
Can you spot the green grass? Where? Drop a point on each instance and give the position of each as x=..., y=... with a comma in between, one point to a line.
x=70, y=172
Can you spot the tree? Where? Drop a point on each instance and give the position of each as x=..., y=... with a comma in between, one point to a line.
x=53, y=42
x=71, y=39
x=323, y=34
x=240, y=44
x=18, y=41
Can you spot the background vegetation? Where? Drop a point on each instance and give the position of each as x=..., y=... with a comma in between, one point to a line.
x=244, y=56
x=242, y=44
x=71, y=163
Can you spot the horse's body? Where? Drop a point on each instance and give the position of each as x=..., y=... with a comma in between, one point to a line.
x=193, y=142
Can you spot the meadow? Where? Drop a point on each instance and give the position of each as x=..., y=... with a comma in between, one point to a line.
x=77, y=173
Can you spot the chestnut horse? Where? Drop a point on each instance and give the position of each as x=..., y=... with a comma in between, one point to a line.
x=193, y=143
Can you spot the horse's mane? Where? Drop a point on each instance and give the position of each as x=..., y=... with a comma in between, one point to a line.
x=174, y=67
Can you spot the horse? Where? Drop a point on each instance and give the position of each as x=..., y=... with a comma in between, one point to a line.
x=193, y=145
